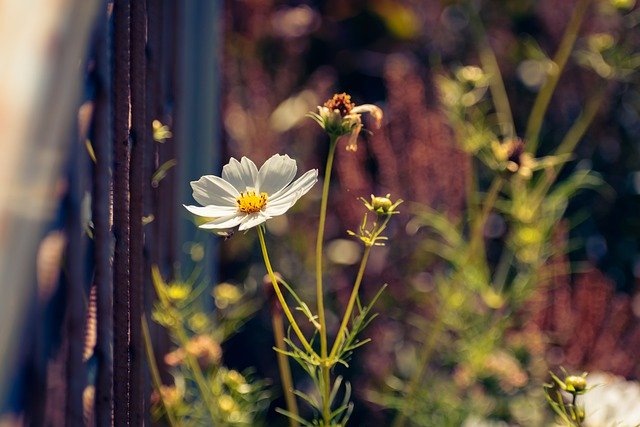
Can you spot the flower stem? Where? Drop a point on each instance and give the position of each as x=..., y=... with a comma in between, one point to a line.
x=425, y=356
x=183, y=339
x=153, y=370
x=354, y=294
x=283, y=365
x=324, y=366
x=560, y=61
x=276, y=287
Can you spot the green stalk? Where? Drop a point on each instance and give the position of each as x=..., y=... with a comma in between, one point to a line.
x=496, y=83
x=183, y=340
x=324, y=366
x=425, y=356
x=475, y=243
x=276, y=287
x=194, y=366
x=153, y=368
x=560, y=60
x=570, y=140
x=350, y=305
x=283, y=366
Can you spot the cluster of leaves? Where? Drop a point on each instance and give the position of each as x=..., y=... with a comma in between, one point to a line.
x=205, y=392
x=477, y=296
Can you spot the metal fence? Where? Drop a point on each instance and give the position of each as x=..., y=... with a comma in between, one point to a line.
x=147, y=60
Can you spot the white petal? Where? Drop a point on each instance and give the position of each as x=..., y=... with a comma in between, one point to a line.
x=224, y=222
x=241, y=174
x=275, y=174
x=212, y=211
x=252, y=220
x=213, y=190
x=304, y=184
x=282, y=201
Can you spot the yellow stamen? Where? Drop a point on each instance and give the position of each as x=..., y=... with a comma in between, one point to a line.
x=250, y=202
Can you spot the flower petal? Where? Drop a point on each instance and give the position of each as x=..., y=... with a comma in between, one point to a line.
x=213, y=190
x=252, y=220
x=374, y=110
x=223, y=222
x=280, y=202
x=275, y=174
x=241, y=174
x=212, y=211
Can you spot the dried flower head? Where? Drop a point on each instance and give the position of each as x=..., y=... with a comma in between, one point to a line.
x=339, y=116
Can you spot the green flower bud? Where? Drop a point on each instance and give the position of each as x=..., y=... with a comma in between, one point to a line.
x=381, y=204
x=575, y=383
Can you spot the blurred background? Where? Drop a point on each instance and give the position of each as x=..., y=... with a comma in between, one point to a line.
x=236, y=78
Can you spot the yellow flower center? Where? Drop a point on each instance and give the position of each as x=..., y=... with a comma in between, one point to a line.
x=250, y=202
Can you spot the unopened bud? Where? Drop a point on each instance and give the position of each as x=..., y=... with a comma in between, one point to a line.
x=575, y=383
x=381, y=204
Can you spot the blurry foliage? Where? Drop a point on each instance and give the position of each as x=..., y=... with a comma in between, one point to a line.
x=204, y=390
x=413, y=55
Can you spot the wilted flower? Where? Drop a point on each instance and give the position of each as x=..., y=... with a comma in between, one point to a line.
x=245, y=197
x=339, y=116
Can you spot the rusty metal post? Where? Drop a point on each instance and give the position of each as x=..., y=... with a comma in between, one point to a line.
x=137, y=186
x=121, y=321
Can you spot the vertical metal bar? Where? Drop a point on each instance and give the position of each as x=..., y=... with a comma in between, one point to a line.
x=137, y=185
x=103, y=238
x=121, y=39
x=75, y=316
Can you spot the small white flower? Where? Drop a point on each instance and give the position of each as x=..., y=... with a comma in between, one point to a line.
x=245, y=196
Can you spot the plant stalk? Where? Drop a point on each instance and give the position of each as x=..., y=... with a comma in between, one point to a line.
x=541, y=103
x=283, y=366
x=350, y=305
x=324, y=365
x=153, y=369
x=276, y=287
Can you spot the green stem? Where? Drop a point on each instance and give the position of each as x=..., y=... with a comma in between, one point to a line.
x=477, y=232
x=324, y=366
x=354, y=295
x=194, y=366
x=425, y=356
x=569, y=142
x=496, y=83
x=560, y=60
x=276, y=287
x=153, y=369
x=183, y=340
x=283, y=366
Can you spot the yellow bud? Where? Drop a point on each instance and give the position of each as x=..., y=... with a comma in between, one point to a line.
x=575, y=383
x=381, y=204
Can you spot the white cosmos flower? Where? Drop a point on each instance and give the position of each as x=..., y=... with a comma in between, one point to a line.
x=245, y=196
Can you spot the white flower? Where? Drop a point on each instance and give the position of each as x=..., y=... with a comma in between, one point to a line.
x=245, y=196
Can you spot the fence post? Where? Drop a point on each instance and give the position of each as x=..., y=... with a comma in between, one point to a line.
x=121, y=321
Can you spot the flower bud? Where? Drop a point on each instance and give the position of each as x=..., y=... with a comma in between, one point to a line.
x=381, y=204
x=575, y=383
